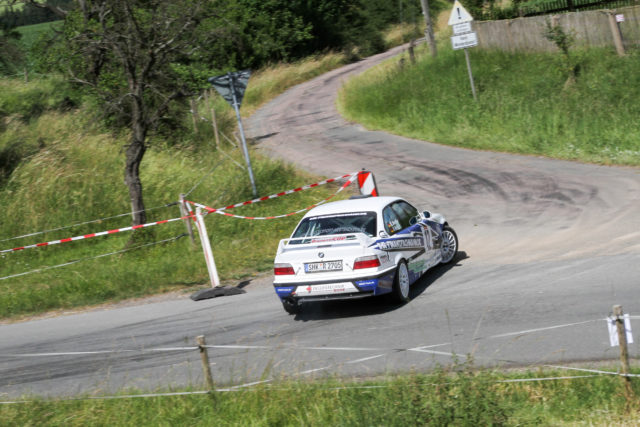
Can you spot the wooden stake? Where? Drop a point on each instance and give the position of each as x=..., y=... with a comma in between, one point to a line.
x=194, y=115
x=624, y=352
x=204, y=356
x=412, y=54
x=187, y=221
x=214, y=123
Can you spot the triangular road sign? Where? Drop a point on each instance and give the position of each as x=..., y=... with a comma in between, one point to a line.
x=459, y=14
x=236, y=81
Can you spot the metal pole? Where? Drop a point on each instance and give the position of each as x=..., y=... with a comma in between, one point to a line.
x=184, y=211
x=244, y=142
x=473, y=86
x=206, y=248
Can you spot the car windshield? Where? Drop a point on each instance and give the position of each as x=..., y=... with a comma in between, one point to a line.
x=324, y=225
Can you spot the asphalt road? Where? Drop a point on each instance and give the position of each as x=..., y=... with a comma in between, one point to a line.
x=547, y=248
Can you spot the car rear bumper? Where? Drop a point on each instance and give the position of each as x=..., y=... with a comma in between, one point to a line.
x=336, y=289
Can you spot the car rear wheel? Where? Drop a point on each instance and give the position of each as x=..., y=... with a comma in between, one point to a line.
x=401, y=283
x=291, y=306
x=449, y=247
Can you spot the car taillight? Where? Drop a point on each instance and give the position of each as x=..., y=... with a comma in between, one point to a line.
x=283, y=269
x=366, y=262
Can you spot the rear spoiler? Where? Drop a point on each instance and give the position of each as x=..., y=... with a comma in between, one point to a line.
x=348, y=239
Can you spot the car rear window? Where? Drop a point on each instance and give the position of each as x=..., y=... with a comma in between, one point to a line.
x=325, y=225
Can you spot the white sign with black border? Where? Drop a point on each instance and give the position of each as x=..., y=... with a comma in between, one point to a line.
x=462, y=28
x=464, y=41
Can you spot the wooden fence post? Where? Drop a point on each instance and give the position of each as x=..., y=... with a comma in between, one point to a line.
x=184, y=211
x=194, y=115
x=624, y=352
x=412, y=54
x=615, y=32
x=204, y=357
x=214, y=123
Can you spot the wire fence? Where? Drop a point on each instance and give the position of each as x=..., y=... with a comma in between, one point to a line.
x=592, y=373
x=92, y=221
x=65, y=264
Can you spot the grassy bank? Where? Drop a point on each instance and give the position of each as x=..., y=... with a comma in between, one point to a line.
x=58, y=169
x=524, y=105
x=461, y=398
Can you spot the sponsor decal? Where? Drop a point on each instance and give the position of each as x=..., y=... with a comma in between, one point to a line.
x=341, y=215
x=284, y=291
x=367, y=284
x=326, y=289
x=417, y=267
x=407, y=243
x=329, y=239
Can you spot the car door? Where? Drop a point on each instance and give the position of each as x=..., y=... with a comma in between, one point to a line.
x=405, y=236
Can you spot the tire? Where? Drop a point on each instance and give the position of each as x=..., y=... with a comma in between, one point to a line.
x=449, y=248
x=291, y=306
x=401, y=284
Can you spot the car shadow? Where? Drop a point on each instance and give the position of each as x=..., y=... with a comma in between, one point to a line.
x=327, y=310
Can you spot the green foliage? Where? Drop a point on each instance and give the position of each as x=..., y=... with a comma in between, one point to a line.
x=457, y=396
x=11, y=54
x=561, y=38
x=23, y=13
x=521, y=108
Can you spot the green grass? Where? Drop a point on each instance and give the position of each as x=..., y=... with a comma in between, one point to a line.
x=30, y=33
x=523, y=104
x=463, y=397
x=57, y=169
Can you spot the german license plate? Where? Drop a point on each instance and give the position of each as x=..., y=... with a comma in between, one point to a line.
x=317, y=267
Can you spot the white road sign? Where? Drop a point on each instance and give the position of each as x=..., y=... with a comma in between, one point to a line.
x=462, y=28
x=620, y=17
x=459, y=14
x=464, y=41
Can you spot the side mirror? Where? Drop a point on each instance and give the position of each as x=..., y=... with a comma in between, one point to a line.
x=383, y=234
x=426, y=214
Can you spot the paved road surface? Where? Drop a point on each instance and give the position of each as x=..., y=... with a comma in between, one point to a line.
x=547, y=248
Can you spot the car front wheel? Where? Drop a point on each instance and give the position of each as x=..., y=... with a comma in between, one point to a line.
x=449, y=247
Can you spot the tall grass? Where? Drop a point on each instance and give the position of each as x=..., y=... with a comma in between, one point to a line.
x=65, y=170
x=461, y=397
x=524, y=105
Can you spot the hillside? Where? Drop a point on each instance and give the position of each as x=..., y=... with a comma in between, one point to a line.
x=60, y=171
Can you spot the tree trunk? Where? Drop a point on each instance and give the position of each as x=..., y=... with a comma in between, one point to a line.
x=135, y=152
x=428, y=31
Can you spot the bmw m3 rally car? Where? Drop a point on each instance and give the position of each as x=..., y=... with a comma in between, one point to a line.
x=358, y=248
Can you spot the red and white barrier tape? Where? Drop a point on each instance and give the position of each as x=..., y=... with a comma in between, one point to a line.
x=39, y=270
x=86, y=222
x=351, y=177
x=90, y=235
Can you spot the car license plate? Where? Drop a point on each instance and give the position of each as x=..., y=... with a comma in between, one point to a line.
x=317, y=267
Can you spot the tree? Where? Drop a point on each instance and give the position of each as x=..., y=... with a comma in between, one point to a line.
x=11, y=56
x=134, y=56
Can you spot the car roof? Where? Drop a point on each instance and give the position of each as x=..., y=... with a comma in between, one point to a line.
x=374, y=204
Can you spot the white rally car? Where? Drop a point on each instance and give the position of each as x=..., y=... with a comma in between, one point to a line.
x=358, y=248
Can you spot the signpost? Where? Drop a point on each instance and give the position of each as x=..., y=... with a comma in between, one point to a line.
x=463, y=36
x=232, y=87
